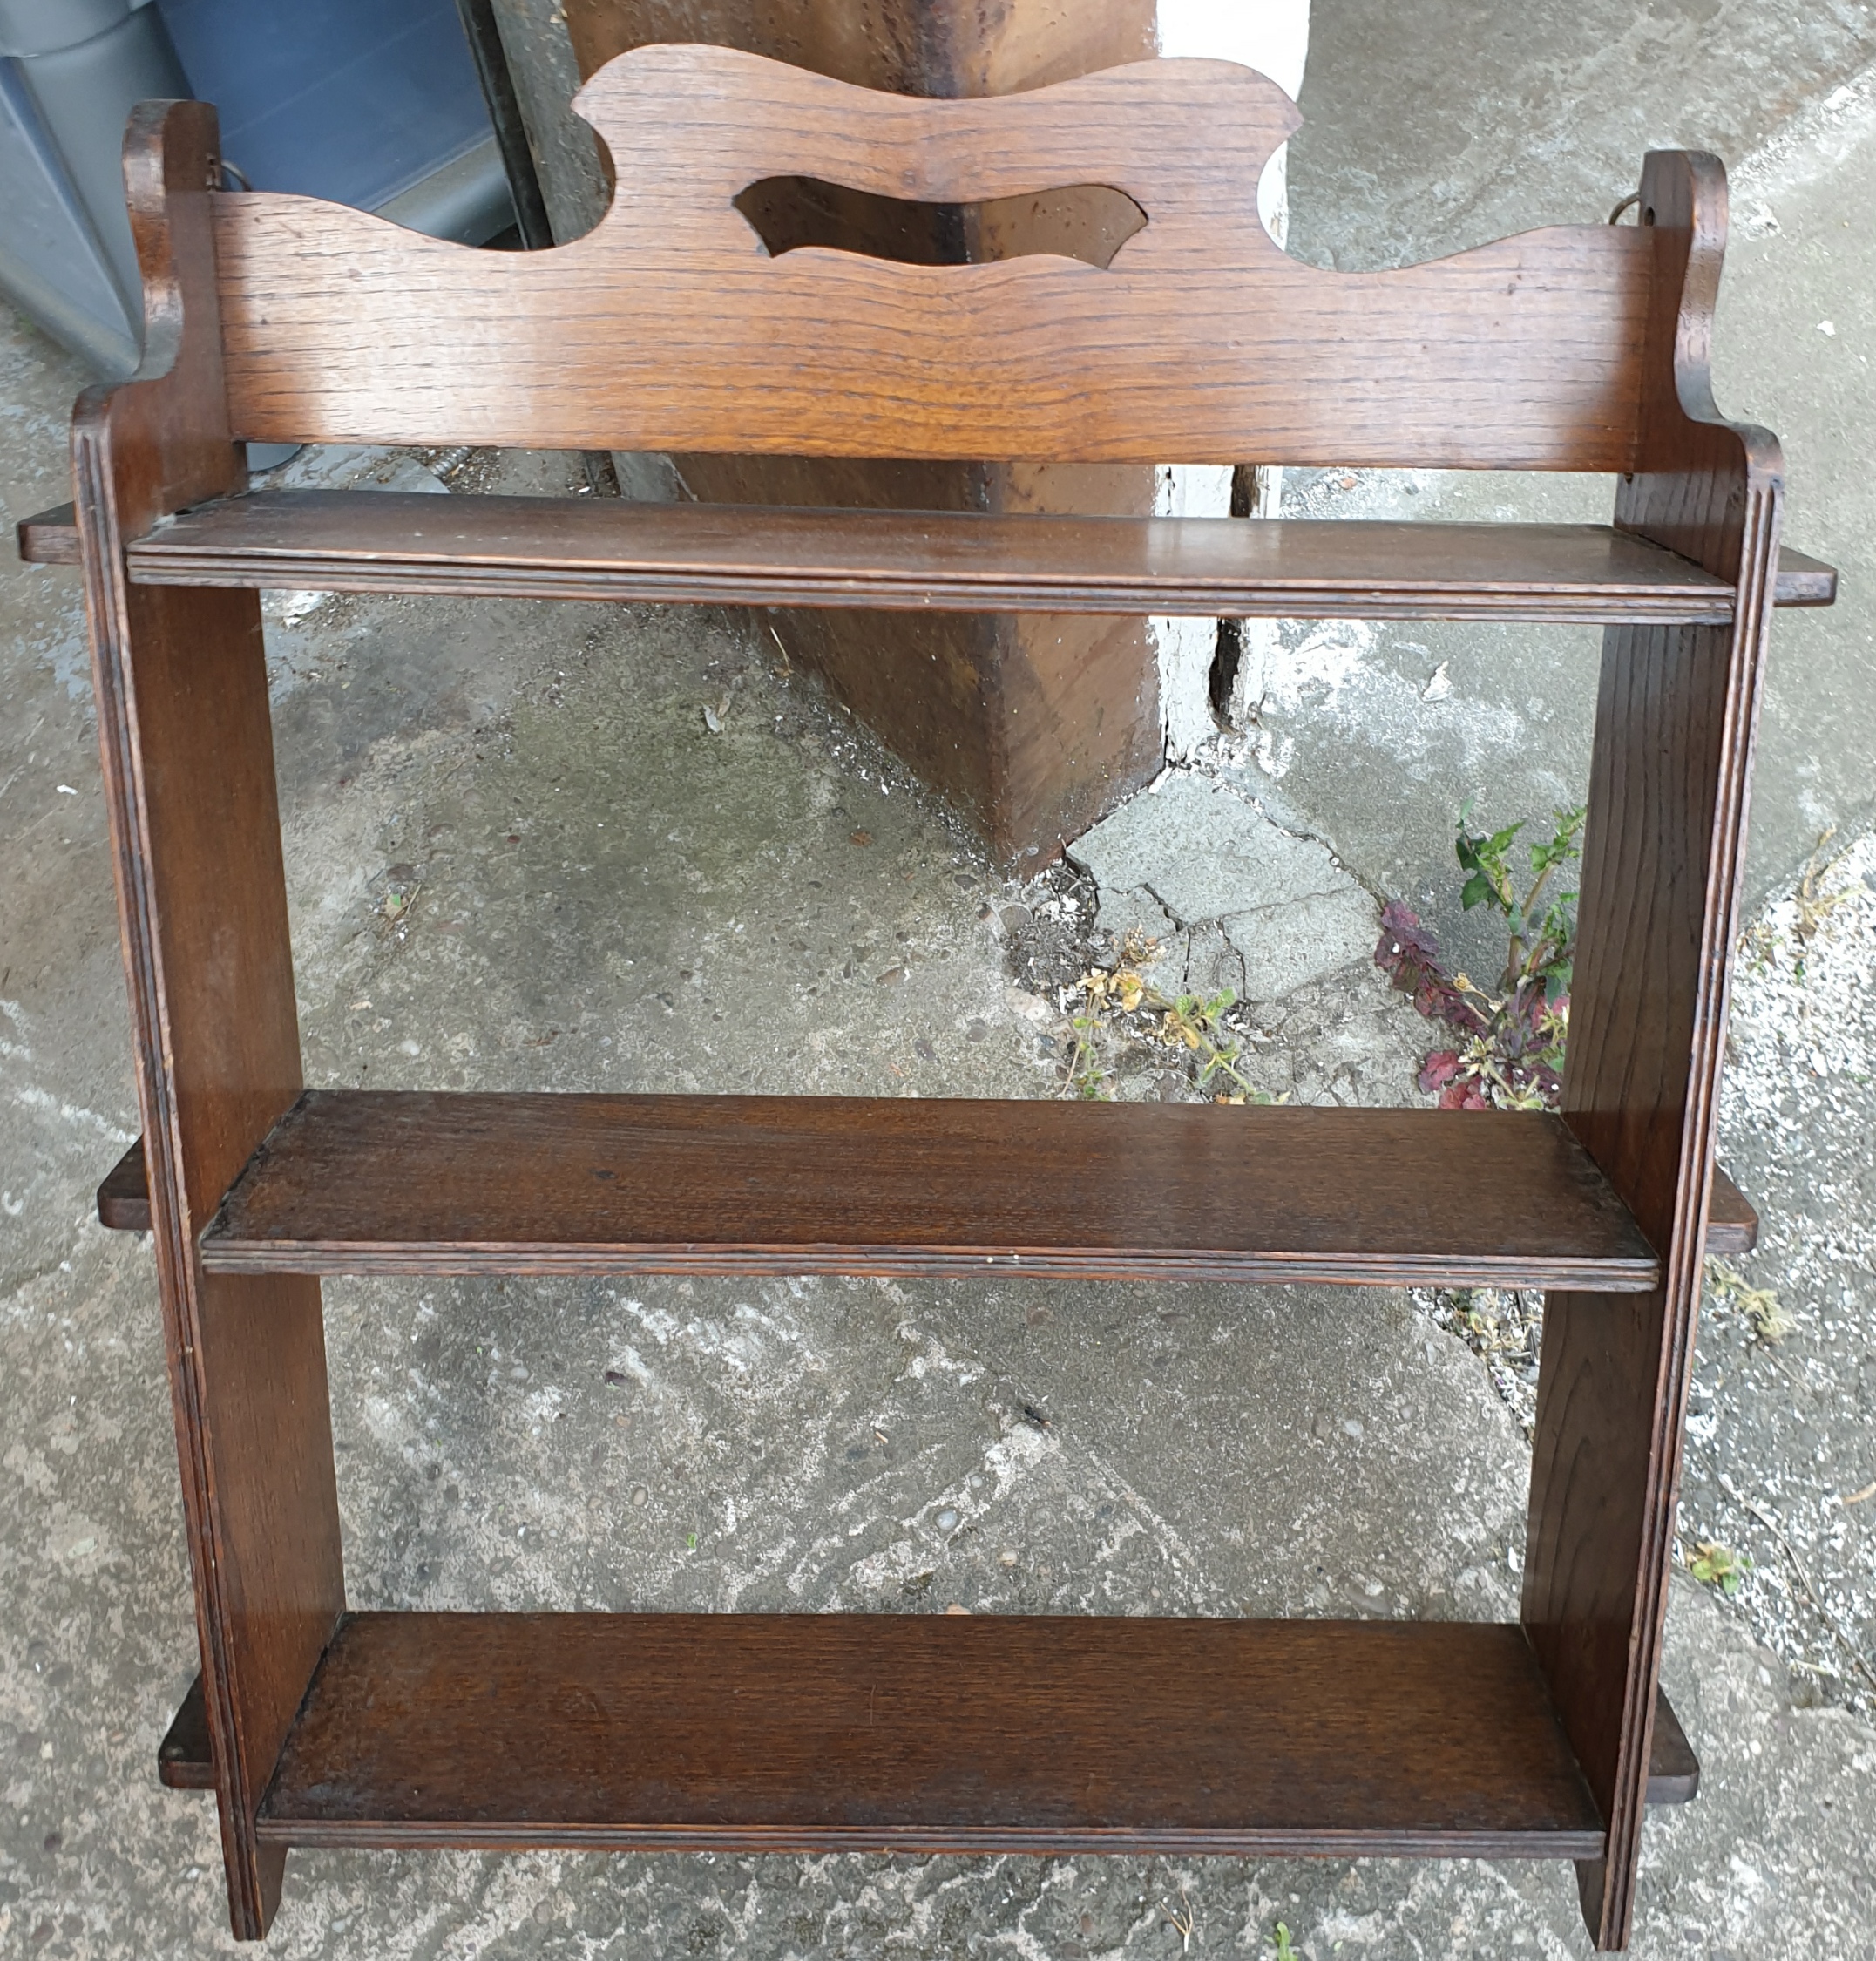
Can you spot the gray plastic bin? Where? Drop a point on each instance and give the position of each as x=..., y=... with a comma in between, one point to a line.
x=373, y=103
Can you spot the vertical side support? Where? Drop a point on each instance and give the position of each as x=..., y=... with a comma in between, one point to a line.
x=1676, y=719
x=188, y=767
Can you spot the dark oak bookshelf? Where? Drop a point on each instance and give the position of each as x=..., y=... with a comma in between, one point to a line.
x=1575, y=347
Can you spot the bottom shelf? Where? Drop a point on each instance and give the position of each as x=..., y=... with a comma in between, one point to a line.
x=929, y=1734
x=184, y=1762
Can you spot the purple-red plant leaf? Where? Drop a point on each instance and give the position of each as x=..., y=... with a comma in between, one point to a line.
x=1410, y=955
x=1439, y=1000
x=1406, y=949
x=1438, y=1069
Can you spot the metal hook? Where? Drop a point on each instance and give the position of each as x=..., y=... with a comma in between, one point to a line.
x=1633, y=197
x=224, y=168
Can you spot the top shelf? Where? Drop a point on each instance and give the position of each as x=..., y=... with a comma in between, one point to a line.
x=386, y=541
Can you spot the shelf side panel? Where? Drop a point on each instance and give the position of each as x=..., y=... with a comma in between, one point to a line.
x=1662, y=851
x=188, y=759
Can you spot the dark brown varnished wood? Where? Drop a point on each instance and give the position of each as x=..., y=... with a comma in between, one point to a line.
x=409, y=1182
x=1583, y=349
x=183, y=1763
x=188, y=769
x=1658, y=920
x=1673, y=1770
x=48, y=537
x=124, y=1206
x=185, y=1758
x=608, y=548
x=955, y=561
x=1732, y=1222
x=670, y=328
x=930, y=1732
x=124, y=1195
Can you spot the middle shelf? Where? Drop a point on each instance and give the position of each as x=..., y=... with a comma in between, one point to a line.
x=391, y=1182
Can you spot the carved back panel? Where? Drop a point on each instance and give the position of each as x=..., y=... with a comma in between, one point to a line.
x=669, y=327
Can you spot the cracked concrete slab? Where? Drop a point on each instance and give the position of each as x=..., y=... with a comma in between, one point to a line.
x=1261, y=910
x=1380, y=732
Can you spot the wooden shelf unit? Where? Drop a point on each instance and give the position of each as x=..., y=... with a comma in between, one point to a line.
x=276, y=318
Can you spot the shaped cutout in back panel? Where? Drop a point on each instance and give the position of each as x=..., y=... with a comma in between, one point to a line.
x=1086, y=221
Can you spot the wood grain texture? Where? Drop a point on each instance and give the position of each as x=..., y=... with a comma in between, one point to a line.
x=930, y=1732
x=756, y=554
x=609, y=548
x=413, y=1182
x=1033, y=726
x=183, y=1763
x=48, y=537
x=124, y=1206
x=670, y=328
x=1669, y=782
x=181, y=688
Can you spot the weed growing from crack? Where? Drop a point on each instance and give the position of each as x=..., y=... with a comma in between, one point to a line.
x=1758, y=1305
x=1814, y=903
x=1713, y=1565
x=1504, y=1327
x=404, y=886
x=1122, y=1001
x=1511, y=1056
x=1181, y=1920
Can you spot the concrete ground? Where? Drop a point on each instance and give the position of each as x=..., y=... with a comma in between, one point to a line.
x=573, y=846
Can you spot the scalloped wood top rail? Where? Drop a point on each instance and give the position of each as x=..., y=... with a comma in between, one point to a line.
x=669, y=327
